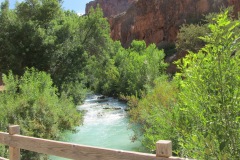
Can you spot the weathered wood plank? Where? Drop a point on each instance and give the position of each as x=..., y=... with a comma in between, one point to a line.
x=2, y=135
x=74, y=151
x=164, y=148
x=14, y=153
x=14, y=129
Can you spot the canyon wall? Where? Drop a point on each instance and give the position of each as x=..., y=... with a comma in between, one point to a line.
x=155, y=21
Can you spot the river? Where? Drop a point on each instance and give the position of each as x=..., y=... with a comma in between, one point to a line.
x=106, y=124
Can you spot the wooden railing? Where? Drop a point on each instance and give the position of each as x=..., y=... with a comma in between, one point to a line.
x=75, y=151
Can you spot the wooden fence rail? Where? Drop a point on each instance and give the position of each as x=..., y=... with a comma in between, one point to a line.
x=76, y=151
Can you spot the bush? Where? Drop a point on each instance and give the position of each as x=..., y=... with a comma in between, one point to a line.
x=209, y=95
x=75, y=90
x=138, y=67
x=31, y=101
x=188, y=37
x=155, y=113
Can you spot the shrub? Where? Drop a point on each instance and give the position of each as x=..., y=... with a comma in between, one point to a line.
x=188, y=37
x=31, y=101
x=209, y=95
x=138, y=67
x=155, y=113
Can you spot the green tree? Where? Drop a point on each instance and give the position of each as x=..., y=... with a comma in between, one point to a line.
x=101, y=73
x=38, y=33
x=31, y=101
x=188, y=37
x=8, y=25
x=95, y=32
x=27, y=37
x=138, y=67
x=209, y=95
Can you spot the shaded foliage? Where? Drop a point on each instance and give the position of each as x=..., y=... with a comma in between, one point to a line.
x=188, y=37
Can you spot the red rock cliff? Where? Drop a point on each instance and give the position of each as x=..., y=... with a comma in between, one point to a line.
x=155, y=21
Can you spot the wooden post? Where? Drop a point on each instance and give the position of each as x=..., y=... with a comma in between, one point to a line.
x=164, y=148
x=14, y=152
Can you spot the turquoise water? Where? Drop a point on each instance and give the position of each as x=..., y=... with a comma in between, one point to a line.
x=106, y=125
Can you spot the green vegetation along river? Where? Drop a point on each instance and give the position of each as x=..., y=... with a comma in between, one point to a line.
x=106, y=124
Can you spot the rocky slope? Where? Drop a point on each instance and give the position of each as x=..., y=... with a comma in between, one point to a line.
x=155, y=21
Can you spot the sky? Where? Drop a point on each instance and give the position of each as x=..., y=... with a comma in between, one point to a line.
x=77, y=5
